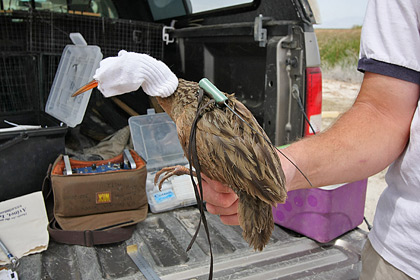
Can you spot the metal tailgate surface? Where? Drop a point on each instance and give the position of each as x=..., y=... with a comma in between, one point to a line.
x=162, y=239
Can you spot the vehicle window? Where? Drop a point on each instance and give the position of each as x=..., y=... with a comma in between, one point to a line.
x=164, y=9
x=102, y=8
x=205, y=5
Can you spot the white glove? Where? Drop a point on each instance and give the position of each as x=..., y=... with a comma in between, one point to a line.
x=128, y=71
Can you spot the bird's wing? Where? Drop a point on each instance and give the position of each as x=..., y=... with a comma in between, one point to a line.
x=231, y=152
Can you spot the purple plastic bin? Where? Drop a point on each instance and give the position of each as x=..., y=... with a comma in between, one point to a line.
x=323, y=214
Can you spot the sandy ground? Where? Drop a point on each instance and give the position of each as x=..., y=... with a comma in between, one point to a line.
x=337, y=97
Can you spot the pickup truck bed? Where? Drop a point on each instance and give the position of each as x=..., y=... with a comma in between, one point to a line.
x=162, y=239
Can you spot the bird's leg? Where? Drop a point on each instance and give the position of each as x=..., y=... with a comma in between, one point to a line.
x=171, y=171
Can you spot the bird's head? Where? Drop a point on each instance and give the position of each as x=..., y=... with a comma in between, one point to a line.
x=128, y=71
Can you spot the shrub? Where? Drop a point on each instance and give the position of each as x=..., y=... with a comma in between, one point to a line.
x=339, y=51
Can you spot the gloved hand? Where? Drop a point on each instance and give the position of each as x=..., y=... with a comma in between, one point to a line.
x=128, y=71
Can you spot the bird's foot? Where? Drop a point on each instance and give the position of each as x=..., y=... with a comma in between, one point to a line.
x=171, y=171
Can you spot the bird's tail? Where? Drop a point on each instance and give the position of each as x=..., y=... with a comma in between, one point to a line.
x=256, y=220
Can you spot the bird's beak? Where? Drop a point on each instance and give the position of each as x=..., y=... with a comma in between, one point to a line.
x=92, y=84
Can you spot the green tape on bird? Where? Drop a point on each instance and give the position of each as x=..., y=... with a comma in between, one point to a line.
x=284, y=146
x=212, y=90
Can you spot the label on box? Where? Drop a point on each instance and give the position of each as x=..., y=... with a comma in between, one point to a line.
x=164, y=196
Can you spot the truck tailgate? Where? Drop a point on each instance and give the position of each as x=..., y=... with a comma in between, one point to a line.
x=162, y=239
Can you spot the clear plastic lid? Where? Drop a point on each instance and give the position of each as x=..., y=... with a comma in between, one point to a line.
x=155, y=138
x=77, y=66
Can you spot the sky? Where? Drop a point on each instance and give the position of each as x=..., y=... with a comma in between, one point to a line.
x=341, y=13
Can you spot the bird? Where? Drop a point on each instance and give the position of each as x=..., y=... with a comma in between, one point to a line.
x=230, y=151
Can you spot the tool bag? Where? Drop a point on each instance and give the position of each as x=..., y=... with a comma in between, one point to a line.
x=91, y=207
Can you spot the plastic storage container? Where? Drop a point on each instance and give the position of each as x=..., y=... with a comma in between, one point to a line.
x=76, y=68
x=26, y=154
x=323, y=213
x=156, y=140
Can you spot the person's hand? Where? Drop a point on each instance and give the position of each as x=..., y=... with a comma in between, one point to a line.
x=220, y=200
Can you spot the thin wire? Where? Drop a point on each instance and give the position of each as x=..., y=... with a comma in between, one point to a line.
x=269, y=142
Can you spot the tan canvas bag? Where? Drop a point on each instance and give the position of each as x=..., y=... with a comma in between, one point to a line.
x=97, y=204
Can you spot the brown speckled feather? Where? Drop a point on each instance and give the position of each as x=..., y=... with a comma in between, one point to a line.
x=232, y=153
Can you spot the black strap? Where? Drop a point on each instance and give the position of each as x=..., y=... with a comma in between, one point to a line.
x=89, y=237
x=193, y=160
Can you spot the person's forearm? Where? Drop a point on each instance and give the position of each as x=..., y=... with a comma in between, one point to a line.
x=361, y=143
x=345, y=153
